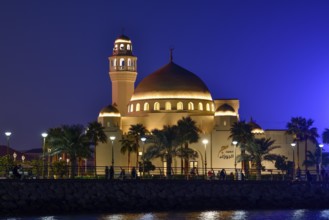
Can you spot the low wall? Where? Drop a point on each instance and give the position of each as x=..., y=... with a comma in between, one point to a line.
x=25, y=197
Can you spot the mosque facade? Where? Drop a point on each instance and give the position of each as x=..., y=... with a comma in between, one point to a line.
x=163, y=98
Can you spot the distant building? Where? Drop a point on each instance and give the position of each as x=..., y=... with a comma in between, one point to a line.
x=164, y=97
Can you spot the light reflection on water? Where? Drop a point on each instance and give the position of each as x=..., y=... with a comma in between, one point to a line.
x=300, y=214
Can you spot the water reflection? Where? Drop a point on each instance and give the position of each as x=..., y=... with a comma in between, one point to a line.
x=299, y=214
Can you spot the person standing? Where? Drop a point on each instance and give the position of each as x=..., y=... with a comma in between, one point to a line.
x=111, y=173
x=107, y=172
x=133, y=173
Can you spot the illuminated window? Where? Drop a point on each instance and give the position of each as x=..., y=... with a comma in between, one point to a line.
x=129, y=62
x=122, y=46
x=128, y=108
x=190, y=106
x=131, y=107
x=122, y=62
x=224, y=123
x=212, y=107
x=200, y=106
x=138, y=107
x=180, y=106
x=156, y=106
x=116, y=47
x=146, y=106
x=128, y=46
x=115, y=62
x=168, y=106
x=208, y=107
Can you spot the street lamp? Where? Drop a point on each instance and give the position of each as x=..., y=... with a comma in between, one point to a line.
x=205, y=142
x=23, y=158
x=293, y=145
x=143, y=139
x=235, y=143
x=320, y=164
x=44, y=135
x=48, y=167
x=14, y=155
x=8, y=133
x=112, y=138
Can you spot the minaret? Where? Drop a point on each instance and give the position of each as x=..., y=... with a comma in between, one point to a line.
x=123, y=73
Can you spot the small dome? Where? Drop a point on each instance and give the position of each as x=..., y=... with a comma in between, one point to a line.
x=255, y=128
x=171, y=82
x=109, y=111
x=123, y=37
x=225, y=110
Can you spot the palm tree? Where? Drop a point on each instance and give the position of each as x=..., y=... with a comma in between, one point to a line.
x=241, y=132
x=72, y=140
x=127, y=145
x=325, y=136
x=95, y=133
x=188, y=133
x=164, y=145
x=309, y=133
x=137, y=131
x=260, y=150
x=295, y=128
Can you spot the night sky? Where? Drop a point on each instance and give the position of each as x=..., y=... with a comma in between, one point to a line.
x=272, y=55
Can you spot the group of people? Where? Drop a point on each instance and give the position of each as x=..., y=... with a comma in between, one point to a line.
x=109, y=173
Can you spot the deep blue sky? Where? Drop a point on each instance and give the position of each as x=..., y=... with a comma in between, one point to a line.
x=272, y=55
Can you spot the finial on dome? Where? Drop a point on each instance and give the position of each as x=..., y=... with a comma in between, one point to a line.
x=171, y=52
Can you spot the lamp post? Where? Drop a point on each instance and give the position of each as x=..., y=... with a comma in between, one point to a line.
x=143, y=139
x=293, y=145
x=48, y=167
x=14, y=155
x=235, y=143
x=112, y=138
x=205, y=142
x=23, y=158
x=320, y=164
x=44, y=135
x=8, y=133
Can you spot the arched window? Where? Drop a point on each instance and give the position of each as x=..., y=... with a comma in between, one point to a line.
x=122, y=62
x=115, y=62
x=129, y=62
x=128, y=108
x=190, y=106
x=200, y=106
x=208, y=107
x=212, y=107
x=156, y=106
x=138, y=107
x=168, y=106
x=128, y=46
x=180, y=106
x=131, y=107
x=122, y=46
x=146, y=106
x=116, y=47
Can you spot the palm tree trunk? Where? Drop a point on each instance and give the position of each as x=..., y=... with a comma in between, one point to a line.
x=306, y=168
x=128, y=160
x=259, y=170
x=73, y=166
x=169, y=161
x=297, y=154
x=186, y=161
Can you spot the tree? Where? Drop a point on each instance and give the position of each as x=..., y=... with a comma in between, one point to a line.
x=282, y=164
x=325, y=136
x=241, y=132
x=96, y=134
x=72, y=140
x=260, y=150
x=302, y=130
x=164, y=145
x=188, y=133
x=127, y=145
x=137, y=131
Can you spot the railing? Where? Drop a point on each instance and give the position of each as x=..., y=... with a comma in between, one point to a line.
x=92, y=172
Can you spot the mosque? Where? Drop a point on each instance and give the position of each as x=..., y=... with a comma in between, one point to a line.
x=163, y=98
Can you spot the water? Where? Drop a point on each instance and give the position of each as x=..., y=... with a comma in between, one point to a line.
x=299, y=214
